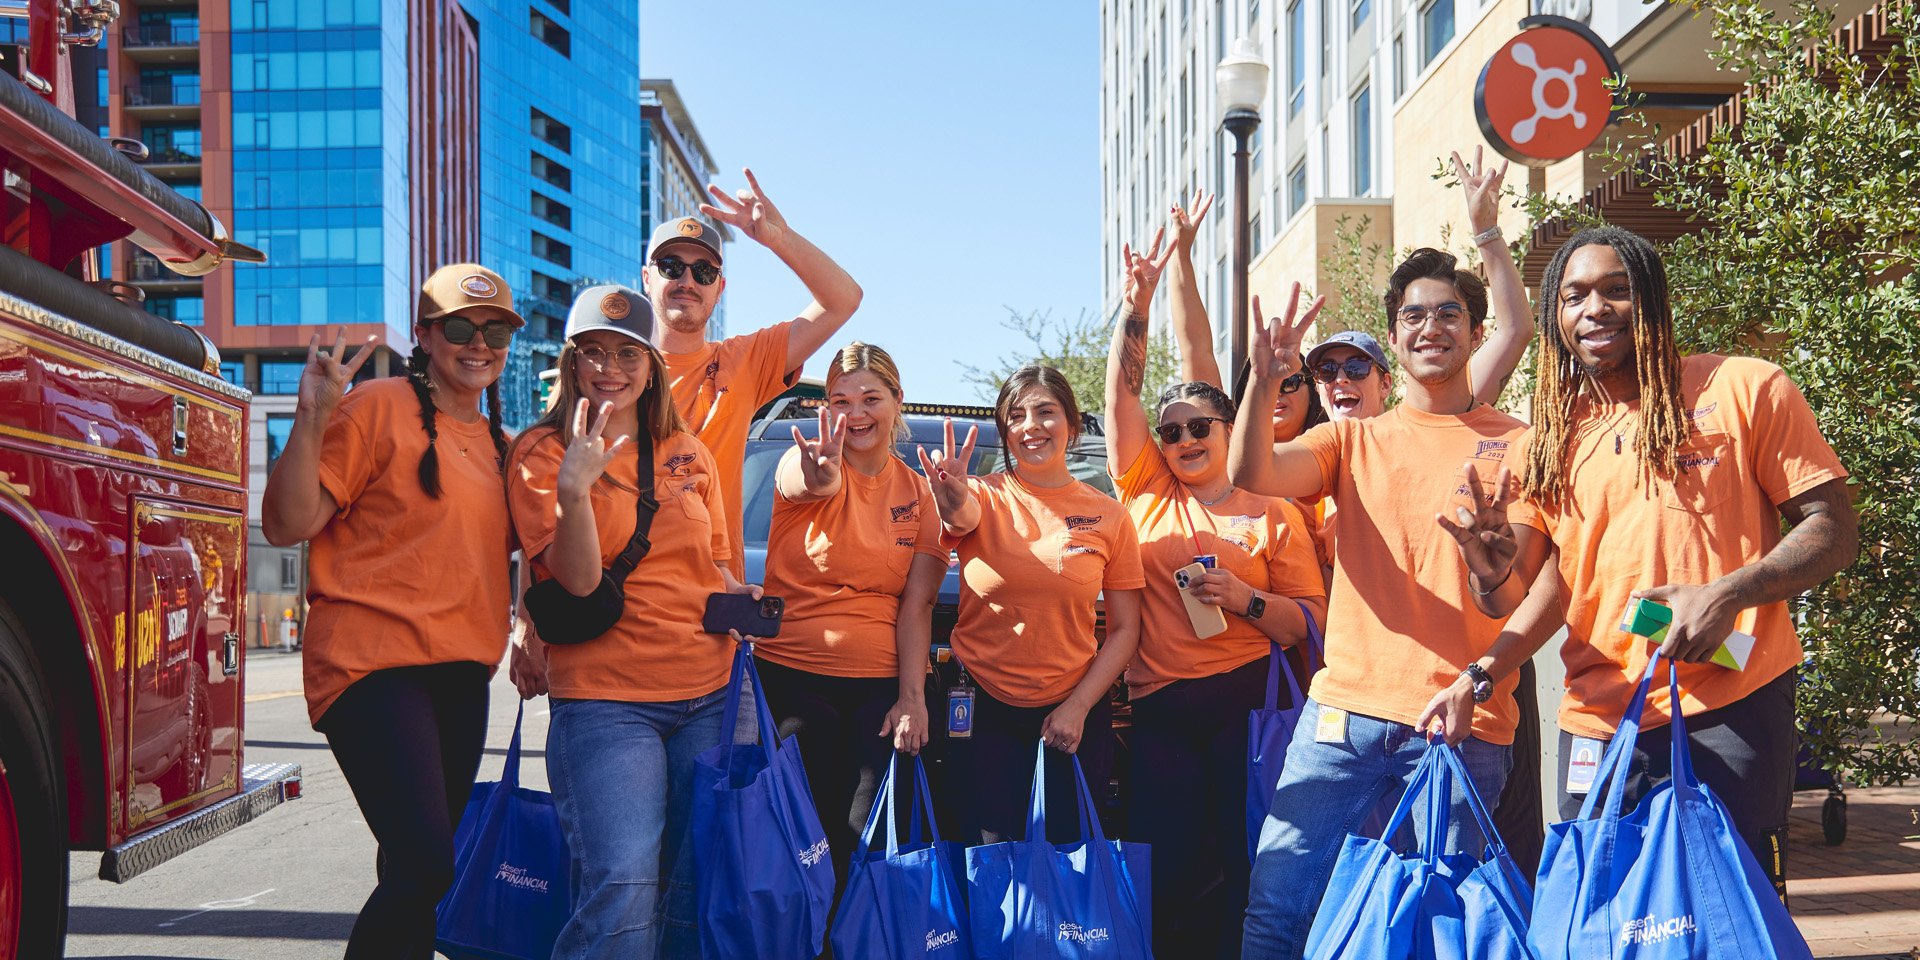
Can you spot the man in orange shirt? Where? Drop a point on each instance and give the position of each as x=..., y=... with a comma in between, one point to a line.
x=1399, y=623
x=719, y=385
x=1686, y=465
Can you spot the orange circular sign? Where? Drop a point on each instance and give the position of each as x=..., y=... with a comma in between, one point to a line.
x=1544, y=97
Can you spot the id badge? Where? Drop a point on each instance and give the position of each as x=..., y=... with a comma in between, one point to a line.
x=1332, y=727
x=959, y=712
x=1583, y=762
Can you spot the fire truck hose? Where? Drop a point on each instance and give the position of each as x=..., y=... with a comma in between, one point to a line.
x=38, y=283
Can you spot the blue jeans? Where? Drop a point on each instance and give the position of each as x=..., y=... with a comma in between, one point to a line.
x=1326, y=791
x=622, y=777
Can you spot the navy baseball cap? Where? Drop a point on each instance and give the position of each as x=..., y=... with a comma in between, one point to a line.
x=688, y=229
x=613, y=307
x=1363, y=342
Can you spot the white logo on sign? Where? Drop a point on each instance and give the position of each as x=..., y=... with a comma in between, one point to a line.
x=1542, y=77
x=1648, y=930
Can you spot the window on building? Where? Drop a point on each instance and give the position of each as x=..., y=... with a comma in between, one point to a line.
x=171, y=143
x=188, y=310
x=550, y=33
x=279, y=428
x=1399, y=66
x=280, y=378
x=1297, y=188
x=234, y=372
x=551, y=210
x=1253, y=18
x=1296, y=57
x=1180, y=115
x=1359, y=11
x=556, y=134
x=1219, y=30
x=1363, y=141
x=290, y=571
x=1254, y=238
x=551, y=171
x=547, y=248
x=1436, y=29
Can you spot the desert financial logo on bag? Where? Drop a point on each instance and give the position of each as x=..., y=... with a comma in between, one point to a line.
x=936, y=939
x=1648, y=930
x=1080, y=935
x=514, y=876
x=814, y=854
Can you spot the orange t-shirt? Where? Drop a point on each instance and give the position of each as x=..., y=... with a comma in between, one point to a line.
x=657, y=652
x=840, y=565
x=1401, y=623
x=717, y=389
x=1261, y=540
x=379, y=588
x=1030, y=574
x=1753, y=443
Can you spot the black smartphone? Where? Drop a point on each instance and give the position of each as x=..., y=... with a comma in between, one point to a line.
x=740, y=611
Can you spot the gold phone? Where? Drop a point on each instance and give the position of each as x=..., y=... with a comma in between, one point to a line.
x=1207, y=619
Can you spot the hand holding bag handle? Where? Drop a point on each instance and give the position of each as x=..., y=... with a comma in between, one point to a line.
x=565, y=619
x=1316, y=647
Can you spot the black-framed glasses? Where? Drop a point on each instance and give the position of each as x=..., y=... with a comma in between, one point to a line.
x=704, y=273
x=459, y=331
x=1449, y=315
x=1198, y=427
x=1294, y=383
x=629, y=358
x=1356, y=369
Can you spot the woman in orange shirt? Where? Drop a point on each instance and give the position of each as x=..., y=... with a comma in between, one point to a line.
x=1248, y=557
x=634, y=706
x=392, y=483
x=1037, y=549
x=855, y=553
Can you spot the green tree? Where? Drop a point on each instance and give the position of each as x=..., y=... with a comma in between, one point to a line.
x=1078, y=349
x=1807, y=242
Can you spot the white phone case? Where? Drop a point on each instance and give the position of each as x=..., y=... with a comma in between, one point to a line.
x=1207, y=619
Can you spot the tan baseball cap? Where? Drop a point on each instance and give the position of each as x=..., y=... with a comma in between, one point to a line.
x=458, y=286
x=689, y=229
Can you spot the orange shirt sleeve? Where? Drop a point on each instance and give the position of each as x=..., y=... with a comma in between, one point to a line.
x=928, y=541
x=983, y=495
x=1790, y=454
x=346, y=461
x=716, y=504
x=1328, y=444
x=1124, y=570
x=533, y=473
x=766, y=359
x=1141, y=475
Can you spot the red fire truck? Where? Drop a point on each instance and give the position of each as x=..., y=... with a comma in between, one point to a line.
x=123, y=471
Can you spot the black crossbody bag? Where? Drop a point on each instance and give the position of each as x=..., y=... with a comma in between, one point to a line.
x=565, y=619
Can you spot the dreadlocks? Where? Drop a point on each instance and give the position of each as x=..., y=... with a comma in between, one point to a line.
x=1559, y=377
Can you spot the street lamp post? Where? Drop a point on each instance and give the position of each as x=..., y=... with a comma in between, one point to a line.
x=1241, y=83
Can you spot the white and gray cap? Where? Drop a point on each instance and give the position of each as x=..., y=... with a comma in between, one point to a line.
x=612, y=307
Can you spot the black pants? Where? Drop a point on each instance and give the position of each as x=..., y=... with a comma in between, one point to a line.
x=1516, y=814
x=1188, y=799
x=992, y=771
x=837, y=722
x=1745, y=752
x=408, y=741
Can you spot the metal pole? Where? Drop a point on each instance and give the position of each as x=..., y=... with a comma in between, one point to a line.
x=1240, y=123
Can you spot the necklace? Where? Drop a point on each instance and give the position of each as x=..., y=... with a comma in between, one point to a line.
x=1228, y=492
x=1619, y=434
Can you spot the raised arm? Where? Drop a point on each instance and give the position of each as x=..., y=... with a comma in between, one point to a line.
x=1127, y=357
x=1501, y=558
x=295, y=506
x=835, y=294
x=574, y=555
x=1254, y=462
x=811, y=470
x=1494, y=362
x=946, y=471
x=1192, y=334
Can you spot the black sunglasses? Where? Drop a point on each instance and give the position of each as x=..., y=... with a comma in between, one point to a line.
x=1199, y=427
x=704, y=273
x=1294, y=383
x=1356, y=369
x=459, y=331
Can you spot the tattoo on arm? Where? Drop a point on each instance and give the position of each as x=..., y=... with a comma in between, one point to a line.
x=1824, y=540
x=1133, y=354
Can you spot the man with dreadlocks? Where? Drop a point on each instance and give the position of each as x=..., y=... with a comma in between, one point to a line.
x=396, y=483
x=1662, y=477
x=1399, y=618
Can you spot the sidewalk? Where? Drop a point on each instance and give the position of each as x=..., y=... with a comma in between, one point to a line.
x=1860, y=899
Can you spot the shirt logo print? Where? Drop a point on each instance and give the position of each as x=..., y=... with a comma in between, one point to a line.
x=906, y=513
x=1077, y=522
x=1496, y=447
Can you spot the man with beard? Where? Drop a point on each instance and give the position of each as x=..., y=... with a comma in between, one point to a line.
x=719, y=385
x=1687, y=465
x=1398, y=619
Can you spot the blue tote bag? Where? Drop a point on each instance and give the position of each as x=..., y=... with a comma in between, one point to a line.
x=1270, y=729
x=1087, y=900
x=1672, y=879
x=1382, y=904
x=907, y=900
x=762, y=876
x=511, y=878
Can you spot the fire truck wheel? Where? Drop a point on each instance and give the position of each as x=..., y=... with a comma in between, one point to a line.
x=33, y=832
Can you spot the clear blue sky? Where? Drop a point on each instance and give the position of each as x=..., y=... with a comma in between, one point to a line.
x=946, y=154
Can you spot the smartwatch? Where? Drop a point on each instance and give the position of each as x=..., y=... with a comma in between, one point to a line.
x=1256, y=608
x=1482, y=682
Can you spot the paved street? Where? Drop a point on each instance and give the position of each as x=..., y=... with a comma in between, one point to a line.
x=287, y=886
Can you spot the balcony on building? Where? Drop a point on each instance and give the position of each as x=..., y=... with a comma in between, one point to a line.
x=163, y=37
x=162, y=100
x=147, y=272
x=173, y=148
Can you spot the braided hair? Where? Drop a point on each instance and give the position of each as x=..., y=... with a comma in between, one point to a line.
x=423, y=391
x=1559, y=376
x=495, y=428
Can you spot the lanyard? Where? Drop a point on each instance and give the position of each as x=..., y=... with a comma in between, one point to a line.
x=1193, y=531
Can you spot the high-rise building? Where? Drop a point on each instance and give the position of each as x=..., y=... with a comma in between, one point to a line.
x=675, y=169
x=363, y=143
